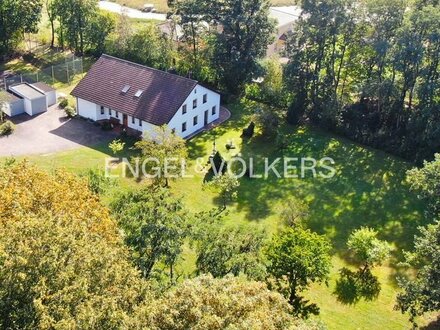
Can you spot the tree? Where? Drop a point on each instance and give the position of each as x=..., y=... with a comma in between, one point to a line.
x=269, y=121
x=297, y=257
x=62, y=262
x=98, y=31
x=17, y=17
x=367, y=249
x=422, y=291
x=222, y=251
x=295, y=212
x=75, y=17
x=225, y=303
x=154, y=225
x=116, y=146
x=149, y=47
x=426, y=182
x=3, y=102
x=226, y=185
x=164, y=150
x=245, y=35
x=97, y=182
x=42, y=195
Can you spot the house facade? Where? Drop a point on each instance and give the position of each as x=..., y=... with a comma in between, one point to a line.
x=142, y=98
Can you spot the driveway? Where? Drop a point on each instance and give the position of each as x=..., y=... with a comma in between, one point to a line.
x=51, y=132
x=130, y=12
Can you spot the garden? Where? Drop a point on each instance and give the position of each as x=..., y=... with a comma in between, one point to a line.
x=368, y=190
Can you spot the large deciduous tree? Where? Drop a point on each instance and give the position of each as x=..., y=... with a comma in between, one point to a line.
x=215, y=304
x=154, y=225
x=422, y=291
x=17, y=17
x=62, y=262
x=298, y=257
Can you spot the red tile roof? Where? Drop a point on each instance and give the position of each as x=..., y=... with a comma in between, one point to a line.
x=163, y=93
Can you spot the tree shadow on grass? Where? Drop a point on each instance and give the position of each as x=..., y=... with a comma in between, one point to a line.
x=351, y=286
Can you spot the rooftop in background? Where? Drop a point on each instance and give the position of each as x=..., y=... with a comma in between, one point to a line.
x=27, y=91
x=163, y=92
x=43, y=87
x=285, y=15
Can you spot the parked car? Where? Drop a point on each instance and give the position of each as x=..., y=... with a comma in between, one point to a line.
x=148, y=8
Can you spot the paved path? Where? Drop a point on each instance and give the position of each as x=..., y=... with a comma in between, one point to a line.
x=225, y=114
x=130, y=12
x=51, y=132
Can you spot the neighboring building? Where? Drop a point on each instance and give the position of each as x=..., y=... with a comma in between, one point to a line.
x=29, y=98
x=142, y=98
x=286, y=18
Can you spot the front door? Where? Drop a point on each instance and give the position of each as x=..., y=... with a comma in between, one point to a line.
x=125, y=120
x=206, y=117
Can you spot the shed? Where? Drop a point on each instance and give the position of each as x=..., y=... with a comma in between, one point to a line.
x=35, y=101
x=50, y=92
x=13, y=106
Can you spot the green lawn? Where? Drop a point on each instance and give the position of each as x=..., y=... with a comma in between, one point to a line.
x=368, y=189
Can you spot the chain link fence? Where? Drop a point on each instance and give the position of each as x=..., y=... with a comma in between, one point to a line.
x=60, y=73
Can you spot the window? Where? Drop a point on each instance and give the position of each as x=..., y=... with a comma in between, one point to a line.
x=184, y=127
x=214, y=110
x=138, y=93
x=195, y=104
x=125, y=89
x=173, y=131
x=117, y=114
x=184, y=109
x=140, y=122
x=102, y=110
x=109, y=111
x=132, y=120
x=195, y=91
x=195, y=120
x=205, y=98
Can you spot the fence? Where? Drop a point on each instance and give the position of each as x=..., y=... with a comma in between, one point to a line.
x=60, y=73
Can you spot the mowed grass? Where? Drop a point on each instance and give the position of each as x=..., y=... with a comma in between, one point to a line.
x=367, y=190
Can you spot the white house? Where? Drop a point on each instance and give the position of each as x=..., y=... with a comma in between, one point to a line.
x=142, y=98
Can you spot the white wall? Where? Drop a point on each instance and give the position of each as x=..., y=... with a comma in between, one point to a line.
x=51, y=98
x=87, y=109
x=14, y=108
x=213, y=99
x=93, y=111
x=37, y=105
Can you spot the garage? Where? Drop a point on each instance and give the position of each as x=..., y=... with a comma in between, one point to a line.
x=51, y=93
x=34, y=101
x=13, y=106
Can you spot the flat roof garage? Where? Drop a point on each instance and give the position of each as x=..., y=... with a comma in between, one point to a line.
x=34, y=100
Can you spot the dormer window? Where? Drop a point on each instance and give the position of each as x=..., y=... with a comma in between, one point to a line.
x=125, y=89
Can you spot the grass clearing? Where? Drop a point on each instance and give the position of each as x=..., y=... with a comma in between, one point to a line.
x=367, y=190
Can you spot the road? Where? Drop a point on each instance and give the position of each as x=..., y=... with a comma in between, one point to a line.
x=133, y=13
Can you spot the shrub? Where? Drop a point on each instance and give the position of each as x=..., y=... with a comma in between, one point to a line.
x=63, y=103
x=106, y=126
x=7, y=128
x=70, y=111
x=248, y=132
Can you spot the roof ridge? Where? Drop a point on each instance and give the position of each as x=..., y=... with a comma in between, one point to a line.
x=148, y=67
